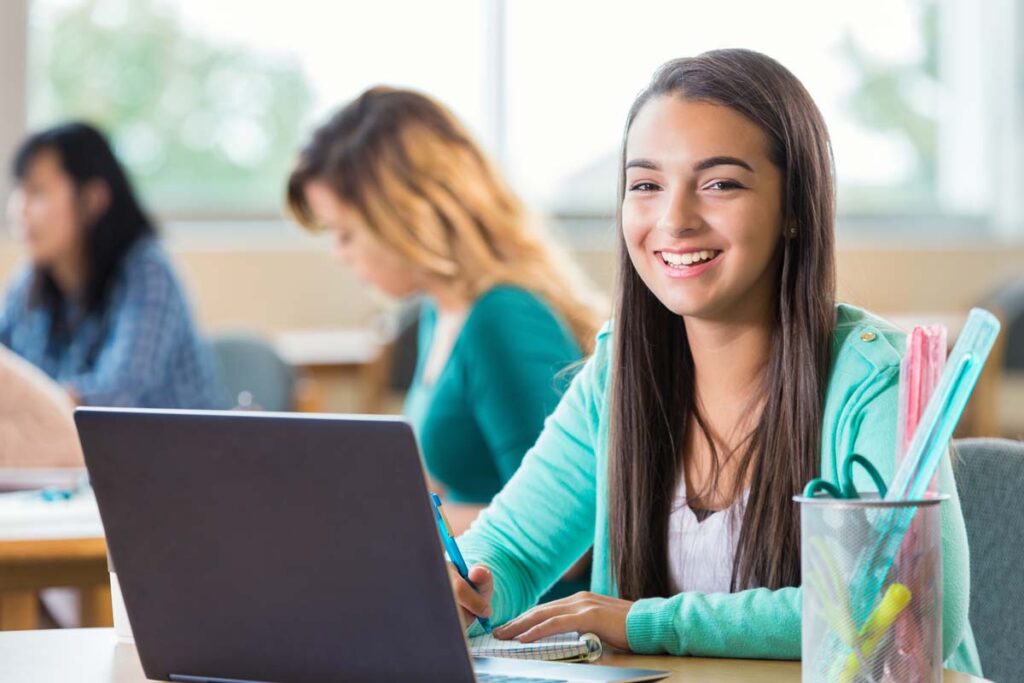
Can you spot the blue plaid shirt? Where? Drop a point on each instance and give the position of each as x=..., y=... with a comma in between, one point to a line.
x=139, y=350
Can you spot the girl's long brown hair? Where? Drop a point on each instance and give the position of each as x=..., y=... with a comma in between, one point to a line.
x=426, y=190
x=653, y=400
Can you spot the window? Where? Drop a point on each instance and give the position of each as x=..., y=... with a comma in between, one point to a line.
x=575, y=66
x=208, y=102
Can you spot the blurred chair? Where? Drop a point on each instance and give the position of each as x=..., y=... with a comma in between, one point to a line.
x=387, y=379
x=403, y=349
x=990, y=480
x=1008, y=303
x=252, y=373
x=1001, y=386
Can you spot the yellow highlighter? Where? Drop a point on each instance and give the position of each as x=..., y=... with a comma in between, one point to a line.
x=895, y=600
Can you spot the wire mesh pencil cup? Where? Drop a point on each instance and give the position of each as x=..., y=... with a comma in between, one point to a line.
x=889, y=637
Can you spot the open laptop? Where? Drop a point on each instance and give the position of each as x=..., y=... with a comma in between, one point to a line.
x=285, y=548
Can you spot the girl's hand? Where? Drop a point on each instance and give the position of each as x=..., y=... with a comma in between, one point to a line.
x=472, y=603
x=583, y=612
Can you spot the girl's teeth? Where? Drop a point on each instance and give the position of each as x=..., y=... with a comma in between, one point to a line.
x=687, y=259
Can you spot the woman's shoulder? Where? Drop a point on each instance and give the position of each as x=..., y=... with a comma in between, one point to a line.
x=146, y=277
x=865, y=341
x=147, y=263
x=513, y=312
x=19, y=285
x=15, y=303
x=866, y=355
x=596, y=370
x=504, y=298
x=603, y=340
x=146, y=252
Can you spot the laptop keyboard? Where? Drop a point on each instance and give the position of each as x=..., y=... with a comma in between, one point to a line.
x=495, y=678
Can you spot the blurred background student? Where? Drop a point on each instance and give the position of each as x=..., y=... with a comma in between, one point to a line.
x=415, y=206
x=97, y=307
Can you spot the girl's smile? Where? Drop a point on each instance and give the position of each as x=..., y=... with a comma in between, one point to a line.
x=688, y=263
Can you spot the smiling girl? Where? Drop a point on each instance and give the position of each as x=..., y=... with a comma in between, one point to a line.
x=728, y=379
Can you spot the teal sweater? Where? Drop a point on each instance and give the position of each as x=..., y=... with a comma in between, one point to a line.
x=557, y=505
x=487, y=406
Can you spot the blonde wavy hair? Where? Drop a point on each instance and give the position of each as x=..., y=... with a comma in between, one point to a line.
x=425, y=189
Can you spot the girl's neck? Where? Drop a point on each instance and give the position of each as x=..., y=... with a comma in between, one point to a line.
x=450, y=299
x=730, y=356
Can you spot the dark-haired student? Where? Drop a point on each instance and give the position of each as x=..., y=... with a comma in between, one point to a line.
x=728, y=379
x=98, y=307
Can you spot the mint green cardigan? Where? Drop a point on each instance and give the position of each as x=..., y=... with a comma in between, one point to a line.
x=556, y=506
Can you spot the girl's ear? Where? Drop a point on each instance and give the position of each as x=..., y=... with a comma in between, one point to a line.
x=94, y=200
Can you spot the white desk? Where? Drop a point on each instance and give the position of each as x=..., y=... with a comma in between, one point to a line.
x=328, y=348
x=92, y=656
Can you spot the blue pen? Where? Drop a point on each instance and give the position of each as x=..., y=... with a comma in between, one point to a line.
x=453, y=552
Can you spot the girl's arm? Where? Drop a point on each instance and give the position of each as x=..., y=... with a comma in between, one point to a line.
x=461, y=516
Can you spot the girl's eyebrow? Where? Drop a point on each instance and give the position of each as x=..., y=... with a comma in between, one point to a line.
x=702, y=165
x=643, y=163
x=710, y=162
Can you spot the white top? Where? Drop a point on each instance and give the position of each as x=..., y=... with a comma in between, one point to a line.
x=700, y=554
x=446, y=330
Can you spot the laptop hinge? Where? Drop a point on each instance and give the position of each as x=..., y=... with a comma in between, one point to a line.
x=186, y=678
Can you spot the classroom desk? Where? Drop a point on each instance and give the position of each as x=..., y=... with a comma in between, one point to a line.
x=26, y=567
x=92, y=655
x=43, y=545
x=324, y=356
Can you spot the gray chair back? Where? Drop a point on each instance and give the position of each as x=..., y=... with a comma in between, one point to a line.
x=252, y=373
x=990, y=481
x=404, y=347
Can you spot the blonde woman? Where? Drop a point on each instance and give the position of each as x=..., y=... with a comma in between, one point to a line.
x=416, y=207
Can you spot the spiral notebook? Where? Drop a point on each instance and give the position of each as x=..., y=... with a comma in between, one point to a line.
x=564, y=647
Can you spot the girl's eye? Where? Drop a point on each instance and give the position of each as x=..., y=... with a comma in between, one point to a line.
x=643, y=187
x=722, y=185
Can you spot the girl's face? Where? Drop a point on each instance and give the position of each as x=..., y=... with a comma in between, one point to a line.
x=357, y=247
x=46, y=213
x=701, y=215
